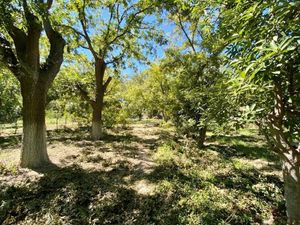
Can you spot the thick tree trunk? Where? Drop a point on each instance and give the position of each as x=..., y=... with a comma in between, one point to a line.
x=34, y=150
x=97, y=128
x=21, y=54
x=292, y=186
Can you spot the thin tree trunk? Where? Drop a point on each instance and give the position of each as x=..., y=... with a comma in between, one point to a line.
x=165, y=117
x=292, y=186
x=34, y=150
x=202, y=136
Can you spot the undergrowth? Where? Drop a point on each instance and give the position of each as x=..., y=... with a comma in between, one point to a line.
x=220, y=184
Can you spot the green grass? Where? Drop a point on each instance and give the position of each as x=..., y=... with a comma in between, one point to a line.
x=234, y=180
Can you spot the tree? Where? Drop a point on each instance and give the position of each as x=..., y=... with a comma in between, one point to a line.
x=156, y=101
x=159, y=84
x=199, y=91
x=113, y=32
x=264, y=48
x=196, y=64
x=66, y=99
x=22, y=25
x=135, y=102
x=63, y=98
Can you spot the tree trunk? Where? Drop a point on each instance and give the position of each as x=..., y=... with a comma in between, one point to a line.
x=292, y=186
x=98, y=104
x=165, y=117
x=34, y=149
x=202, y=136
x=97, y=128
x=288, y=153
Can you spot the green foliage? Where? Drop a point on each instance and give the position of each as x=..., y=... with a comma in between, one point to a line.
x=65, y=99
x=200, y=91
x=118, y=32
x=149, y=94
x=263, y=47
x=10, y=98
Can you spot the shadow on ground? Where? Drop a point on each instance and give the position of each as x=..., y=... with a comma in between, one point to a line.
x=72, y=195
x=241, y=146
x=192, y=188
x=9, y=141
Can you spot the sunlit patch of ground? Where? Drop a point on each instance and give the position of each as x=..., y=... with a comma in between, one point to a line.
x=132, y=147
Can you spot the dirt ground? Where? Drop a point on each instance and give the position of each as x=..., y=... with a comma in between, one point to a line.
x=132, y=147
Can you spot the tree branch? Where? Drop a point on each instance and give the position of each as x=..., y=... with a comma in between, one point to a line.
x=106, y=83
x=126, y=29
x=84, y=94
x=8, y=57
x=186, y=34
x=82, y=19
x=74, y=30
x=18, y=36
x=116, y=59
x=111, y=10
x=33, y=23
x=84, y=47
x=57, y=44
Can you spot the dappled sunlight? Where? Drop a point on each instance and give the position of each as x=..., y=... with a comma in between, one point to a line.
x=142, y=175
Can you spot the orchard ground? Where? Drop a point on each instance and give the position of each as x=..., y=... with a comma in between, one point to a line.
x=142, y=174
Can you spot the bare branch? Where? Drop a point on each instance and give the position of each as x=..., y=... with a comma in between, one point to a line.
x=84, y=47
x=111, y=10
x=74, y=30
x=49, y=4
x=116, y=59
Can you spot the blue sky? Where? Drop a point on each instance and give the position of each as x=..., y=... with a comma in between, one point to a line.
x=168, y=30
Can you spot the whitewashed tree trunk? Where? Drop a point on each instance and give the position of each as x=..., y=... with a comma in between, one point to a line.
x=291, y=177
x=34, y=148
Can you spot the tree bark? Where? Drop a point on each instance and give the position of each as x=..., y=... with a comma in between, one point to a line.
x=289, y=154
x=34, y=149
x=98, y=104
x=202, y=136
x=291, y=178
x=20, y=53
x=97, y=125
